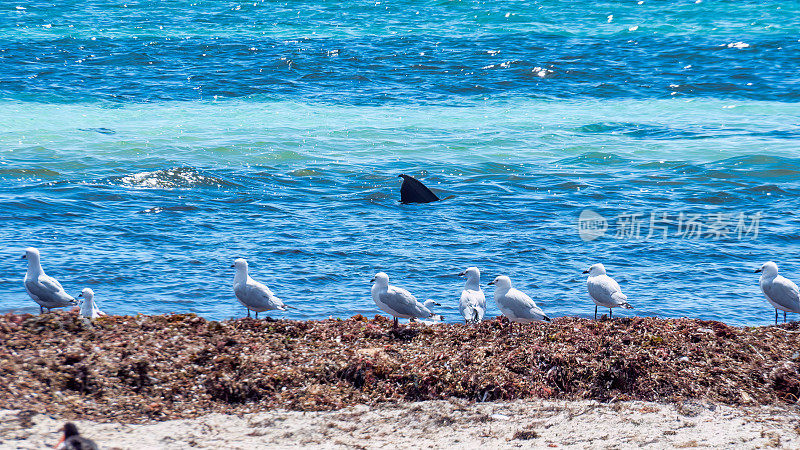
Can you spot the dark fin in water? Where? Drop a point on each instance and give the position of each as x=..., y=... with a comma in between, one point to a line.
x=101, y=130
x=413, y=191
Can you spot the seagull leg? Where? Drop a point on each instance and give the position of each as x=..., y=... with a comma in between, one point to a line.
x=41, y=309
x=776, y=316
x=609, y=313
x=784, y=317
x=248, y=312
x=395, y=323
x=595, y=312
x=256, y=315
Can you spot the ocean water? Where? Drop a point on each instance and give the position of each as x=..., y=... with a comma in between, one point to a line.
x=143, y=147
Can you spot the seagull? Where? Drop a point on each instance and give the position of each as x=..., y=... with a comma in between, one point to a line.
x=44, y=290
x=473, y=303
x=604, y=290
x=252, y=294
x=72, y=440
x=398, y=302
x=515, y=304
x=781, y=292
x=88, y=306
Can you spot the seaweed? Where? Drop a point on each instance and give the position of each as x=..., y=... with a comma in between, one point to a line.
x=141, y=368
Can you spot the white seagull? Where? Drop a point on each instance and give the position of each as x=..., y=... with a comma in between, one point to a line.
x=604, y=290
x=44, y=290
x=473, y=302
x=252, y=294
x=88, y=306
x=398, y=302
x=515, y=304
x=781, y=292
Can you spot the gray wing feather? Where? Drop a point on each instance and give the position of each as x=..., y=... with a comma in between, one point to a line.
x=606, y=291
x=784, y=292
x=48, y=292
x=522, y=305
x=258, y=296
x=402, y=302
x=472, y=303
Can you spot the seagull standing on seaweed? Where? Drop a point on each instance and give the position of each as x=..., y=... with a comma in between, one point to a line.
x=398, y=302
x=515, y=304
x=780, y=292
x=252, y=294
x=44, y=290
x=473, y=301
x=604, y=290
x=89, y=308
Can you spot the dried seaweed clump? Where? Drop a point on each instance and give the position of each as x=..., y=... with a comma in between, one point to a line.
x=126, y=368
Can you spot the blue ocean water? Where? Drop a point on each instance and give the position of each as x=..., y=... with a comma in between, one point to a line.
x=144, y=145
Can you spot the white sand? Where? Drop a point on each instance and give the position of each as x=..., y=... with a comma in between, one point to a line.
x=442, y=424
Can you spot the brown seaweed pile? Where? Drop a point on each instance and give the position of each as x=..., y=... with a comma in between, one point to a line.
x=135, y=368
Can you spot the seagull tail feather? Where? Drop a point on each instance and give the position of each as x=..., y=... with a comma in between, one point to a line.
x=627, y=305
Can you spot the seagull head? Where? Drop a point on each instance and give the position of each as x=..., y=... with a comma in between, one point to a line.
x=240, y=264
x=31, y=254
x=502, y=282
x=470, y=273
x=768, y=270
x=87, y=293
x=380, y=278
x=595, y=270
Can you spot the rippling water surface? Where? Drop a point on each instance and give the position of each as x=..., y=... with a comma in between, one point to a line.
x=142, y=148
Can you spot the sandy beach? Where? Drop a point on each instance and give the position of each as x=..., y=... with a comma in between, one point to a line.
x=443, y=424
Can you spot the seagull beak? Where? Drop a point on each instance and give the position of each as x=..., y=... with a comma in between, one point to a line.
x=491, y=283
x=80, y=295
x=586, y=271
x=233, y=265
x=24, y=257
x=372, y=280
x=462, y=274
x=757, y=271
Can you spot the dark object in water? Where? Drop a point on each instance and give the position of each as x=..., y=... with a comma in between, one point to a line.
x=413, y=191
x=101, y=130
x=72, y=440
